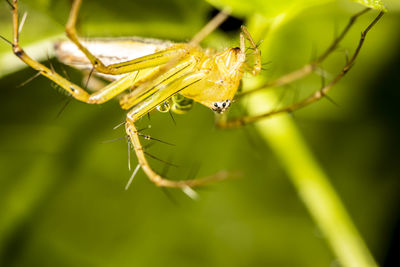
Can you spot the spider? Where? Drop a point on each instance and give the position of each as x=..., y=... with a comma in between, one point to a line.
x=165, y=75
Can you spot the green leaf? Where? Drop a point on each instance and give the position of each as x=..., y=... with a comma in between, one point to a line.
x=267, y=8
x=62, y=196
x=374, y=4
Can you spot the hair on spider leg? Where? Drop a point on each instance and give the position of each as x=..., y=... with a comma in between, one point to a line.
x=144, y=128
x=331, y=100
x=259, y=43
x=37, y=74
x=335, y=29
x=148, y=145
x=65, y=73
x=128, y=184
x=166, y=167
x=161, y=160
x=63, y=107
x=295, y=96
x=346, y=55
x=323, y=84
x=49, y=61
x=250, y=53
x=319, y=70
x=188, y=190
x=248, y=66
x=128, y=142
x=115, y=139
x=88, y=78
x=282, y=95
x=263, y=68
x=190, y=193
x=194, y=169
x=323, y=77
x=67, y=100
x=314, y=52
x=191, y=174
x=165, y=190
x=10, y=4
x=266, y=63
x=22, y=22
x=122, y=123
x=119, y=125
x=6, y=40
x=148, y=137
x=172, y=117
x=59, y=89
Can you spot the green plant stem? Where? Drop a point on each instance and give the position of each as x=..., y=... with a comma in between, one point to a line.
x=312, y=184
x=310, y=181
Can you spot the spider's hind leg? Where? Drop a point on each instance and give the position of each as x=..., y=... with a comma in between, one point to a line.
x=240, y=121
x=162, y=92
x=310, y=67
x=151, y=60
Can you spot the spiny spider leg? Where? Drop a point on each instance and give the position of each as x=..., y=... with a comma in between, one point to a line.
x=309, y=68
x=142, y=108
x=237, y=122
x=152, y=60
x=108, y=92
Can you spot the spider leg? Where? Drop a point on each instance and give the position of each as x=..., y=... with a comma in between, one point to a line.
x=152, y=60
x=98, y=97
x=210, y=26
x=237, y=122
x=156, y=79
x=311, y=67
x=164, y=92
x=256, y=52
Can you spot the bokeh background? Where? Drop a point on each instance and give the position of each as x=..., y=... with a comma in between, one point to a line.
x=62, y=197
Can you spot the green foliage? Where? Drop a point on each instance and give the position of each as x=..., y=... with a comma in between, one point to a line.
x=375, y=4
x=267, y=8
x=275, y=7
x=62, y=198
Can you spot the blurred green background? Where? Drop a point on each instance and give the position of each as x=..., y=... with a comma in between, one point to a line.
x=62, y=197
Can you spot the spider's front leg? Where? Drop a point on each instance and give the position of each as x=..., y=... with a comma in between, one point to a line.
x=152, y=60
x=102, y=95
x=237, y=122
x=310, y=67
x=71, y=88
x=163, y=92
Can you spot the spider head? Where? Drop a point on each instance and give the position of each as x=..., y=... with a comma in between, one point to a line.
x=223, y=73
x=221, y=106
